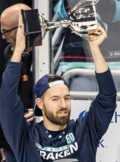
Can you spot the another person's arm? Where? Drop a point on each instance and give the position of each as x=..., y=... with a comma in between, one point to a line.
x=12, y=119
x=20, y=42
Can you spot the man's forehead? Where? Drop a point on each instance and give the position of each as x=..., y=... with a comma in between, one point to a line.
x=5, y=25
x=9, y=17
x=6, y=22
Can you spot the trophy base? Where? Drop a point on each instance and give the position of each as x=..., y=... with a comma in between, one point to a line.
x=32, y=28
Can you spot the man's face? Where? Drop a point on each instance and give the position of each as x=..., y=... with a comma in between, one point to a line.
x=9, y=36
x=57, y=104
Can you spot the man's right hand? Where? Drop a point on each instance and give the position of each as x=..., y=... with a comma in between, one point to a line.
x=20, y=41
x=20, y=37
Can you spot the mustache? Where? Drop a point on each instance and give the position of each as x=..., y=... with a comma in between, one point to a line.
x=62, y=109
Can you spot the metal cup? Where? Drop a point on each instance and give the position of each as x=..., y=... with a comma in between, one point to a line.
x=80, y=20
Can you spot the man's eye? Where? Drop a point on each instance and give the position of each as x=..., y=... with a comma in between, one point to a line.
x=67, y=98
x=55, y=99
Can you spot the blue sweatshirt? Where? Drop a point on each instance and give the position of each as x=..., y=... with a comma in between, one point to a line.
x=34, y=143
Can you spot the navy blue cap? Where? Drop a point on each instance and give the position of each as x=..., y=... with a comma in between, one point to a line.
x=41, y=87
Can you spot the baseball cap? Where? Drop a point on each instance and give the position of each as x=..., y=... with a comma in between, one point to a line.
x=42, y=86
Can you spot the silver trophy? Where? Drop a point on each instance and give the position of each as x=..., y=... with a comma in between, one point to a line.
x=81, y=20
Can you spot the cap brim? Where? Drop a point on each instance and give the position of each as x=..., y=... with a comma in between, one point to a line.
x=37, y=111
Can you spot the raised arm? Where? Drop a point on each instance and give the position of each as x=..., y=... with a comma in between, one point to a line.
x=103, y=107
x=99, y=61
x=12, y=119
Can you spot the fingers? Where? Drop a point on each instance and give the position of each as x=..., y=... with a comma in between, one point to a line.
x=29, y=115
x=30, y=119
x=95, y=32
x=21, y=25
x=20, y=37
x=98, y=35
x=103, y=33
x=2, y=154
x=20, y=18
x=98, y=29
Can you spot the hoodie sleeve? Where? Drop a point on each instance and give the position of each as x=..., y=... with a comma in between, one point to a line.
x=12, y=118
x=103, y=107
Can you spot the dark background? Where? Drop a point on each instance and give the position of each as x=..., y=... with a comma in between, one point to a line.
x=3, y=5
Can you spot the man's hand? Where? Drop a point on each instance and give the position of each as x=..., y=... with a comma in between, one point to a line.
x=98, y=41
x=20, y=37
x=29, y=115
x=20, y=41
x=99, y=61
x=2, y=155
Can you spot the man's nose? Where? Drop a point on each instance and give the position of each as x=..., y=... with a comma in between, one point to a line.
x=3, y=36
x=63, y=103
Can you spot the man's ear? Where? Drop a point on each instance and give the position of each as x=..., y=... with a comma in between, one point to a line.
x=39, y=103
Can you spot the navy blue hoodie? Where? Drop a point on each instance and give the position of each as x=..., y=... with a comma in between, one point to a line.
x=34, y=143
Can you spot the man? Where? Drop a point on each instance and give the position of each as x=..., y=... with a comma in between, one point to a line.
x=9, y=25
x=56, y=137
x=3, y=5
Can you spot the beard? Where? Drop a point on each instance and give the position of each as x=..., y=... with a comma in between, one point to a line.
x=56, y=119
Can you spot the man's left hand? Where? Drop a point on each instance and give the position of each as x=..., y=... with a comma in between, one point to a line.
x=99, y=40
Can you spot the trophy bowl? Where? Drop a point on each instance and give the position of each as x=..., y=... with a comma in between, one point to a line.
x=32, y=28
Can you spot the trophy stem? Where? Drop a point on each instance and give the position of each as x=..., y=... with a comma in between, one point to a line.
x=64, y=23
x=47, y=26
